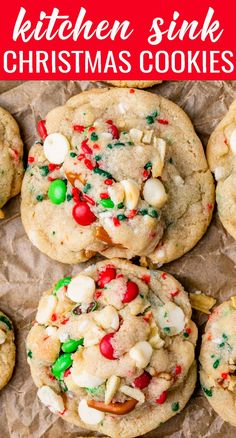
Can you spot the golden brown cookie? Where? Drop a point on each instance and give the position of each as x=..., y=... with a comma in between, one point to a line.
x=134, y=84
x=7, y=350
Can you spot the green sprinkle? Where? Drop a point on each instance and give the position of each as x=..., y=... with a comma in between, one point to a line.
x=98, y=157
x=87, y=187
x=109, y=146
x=73, y=154
x=130, y=143
x=69, y=197
x=175, y=406
x=224, y=336
x=29, y=354
x=143, y=212
x=166, y=329
x=216, y=363
x=222, y=345
x=39, y=198
x=107, y=203
x=148, y=165
x=120, y=205
x=153, y=213
x=208, y=392
x=170, y=160
x=53, y=233
x=186, y=335
x=102, y=172
x=141, y=296
x=119, y=144
x=94, y=136
x=121, y=217
x=63, y=386
x=44, y=170
x=39, y=142
x=6, y=321
x=149, y=120
x=63, y=282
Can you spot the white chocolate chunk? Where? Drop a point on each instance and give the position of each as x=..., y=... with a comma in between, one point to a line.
x=131, y=189
x=135, y=393
x=86, y=380
x=46, y=308
x=51, y=331
x=56, y=147
x=116, y=193
x=158, y=160
x=154, y=193
x=50, y=399
x=147, y=137
x=219, y=173
x=92, y=335
x=138, y=305
x=107, y=318
x=170, y=317
x=81, y=289
x=136, y=134
x=141, y=354
x=155, y=339
x=89, y=415
x=232, y=141
x=112, y=386
x=3, y=336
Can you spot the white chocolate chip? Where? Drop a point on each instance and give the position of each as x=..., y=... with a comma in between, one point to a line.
x=171, y=317
x=112, y=386
x=158, y=161
x=50, y=399
x=131, y=189
x=56, y=147
x=51, y=331
x=107, y=318
x=86, y=380
x=92, y=334
x=122, y=107
x=136, y=134
x=147, y=137
x=138, y=305
x=133, y=393
x=155, y=339
x=219, y=173
x=3, y=336
x=81, y=289
x=89, y=415
x=141, y=354
x=116, y=193
x=154, y=193
x=46, y=308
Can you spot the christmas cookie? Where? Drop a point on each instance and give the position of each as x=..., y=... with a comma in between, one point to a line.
x=120, y=172
x=7, y=350
x=112, y=349
x=221, y=154
x=217, y=358
x=134, y=84
x=11, y=151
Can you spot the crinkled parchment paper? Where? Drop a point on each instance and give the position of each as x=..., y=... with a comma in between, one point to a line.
x=25, y=273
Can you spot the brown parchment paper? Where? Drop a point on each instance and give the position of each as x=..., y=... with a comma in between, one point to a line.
x=25, y=273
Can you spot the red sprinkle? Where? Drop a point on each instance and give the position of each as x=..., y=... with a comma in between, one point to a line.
x=64, y=321
x=42, y=129
x=54, y=317
x=116, y=221
x=50, y=178
x=88, y=164
x=162, y=398
x=175, y=293
x=131, y=214
x=164, y=275
x=85, y=147
x=51, y=167
x=80, y=157
x=51, y=377
x=145, y=173
x=147, y=317
x=57, y=166
x=96, y=146
x=224, y=375
x=120, y=276
x=209, y=206
x=108, y=182
x=79, y=128
x=163, y=122
x=75, y=194
x=67, y=372
x=146, y=279
x=97, y=294
x=91, y=129
x=188, y=330
x=104, y=196
x=109, y=122
x=88, y=199
x=132, y=91
x=178, y=370
x=30, y=160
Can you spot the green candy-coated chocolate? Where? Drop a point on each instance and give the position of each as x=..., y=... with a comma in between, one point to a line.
x=107, y=203
x=72, y=345
x=57, y=191
x=62, y=282
x=61, y=365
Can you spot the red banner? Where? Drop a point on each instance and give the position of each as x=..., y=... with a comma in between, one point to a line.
x=171, y=39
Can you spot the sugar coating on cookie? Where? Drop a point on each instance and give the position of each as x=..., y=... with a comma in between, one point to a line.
x=221, y=154
x=112, y=349
x=121, y=172
x=11, y=154
x=135, y=84
x=217, y=360
x=7, y=350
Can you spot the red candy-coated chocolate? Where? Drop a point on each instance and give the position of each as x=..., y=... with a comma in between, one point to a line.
x=106, y=348
x=82, y=214
x=131, y=293
x=162, y=398
x=142, y=381
x=42, y=129
x=106, y=275
x=79, y=128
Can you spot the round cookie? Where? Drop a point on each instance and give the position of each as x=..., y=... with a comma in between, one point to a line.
x=134, y=84
x=131, y=165
x=116, y=338
x=11, y=153
x=217, y=360
x=221, y=154
x=7, y=350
